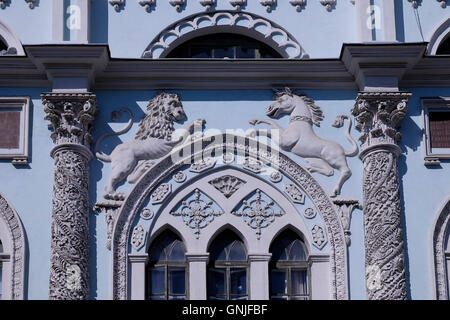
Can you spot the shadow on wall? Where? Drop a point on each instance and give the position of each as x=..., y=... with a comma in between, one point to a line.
x=99, y=21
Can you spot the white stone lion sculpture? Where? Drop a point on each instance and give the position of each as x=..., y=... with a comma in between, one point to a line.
x=153, y=141
x=298, y=137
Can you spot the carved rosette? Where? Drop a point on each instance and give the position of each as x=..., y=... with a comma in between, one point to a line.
x=71, y=116
x=378, y=117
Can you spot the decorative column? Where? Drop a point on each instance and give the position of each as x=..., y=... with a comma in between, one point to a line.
x=71, y=116
x=378, y=116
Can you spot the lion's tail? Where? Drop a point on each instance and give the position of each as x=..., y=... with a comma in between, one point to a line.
x=115, y=115
x=339, y=122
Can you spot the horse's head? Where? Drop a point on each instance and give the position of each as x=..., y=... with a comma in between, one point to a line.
x=284, y=104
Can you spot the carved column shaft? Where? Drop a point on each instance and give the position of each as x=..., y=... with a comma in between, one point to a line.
x=378, y=117
x=71, y=117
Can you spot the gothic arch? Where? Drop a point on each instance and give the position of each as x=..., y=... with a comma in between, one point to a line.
x=243, y=23
x=441, y=234
x=11, y=40
x=441, y=34
x=13, y=240
x=300, y=176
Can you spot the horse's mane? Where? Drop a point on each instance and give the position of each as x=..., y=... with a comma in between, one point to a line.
x=157, y=123
x=316, y=111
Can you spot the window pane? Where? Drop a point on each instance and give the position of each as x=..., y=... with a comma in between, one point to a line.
x=237, y=252
x=299, y=282
x=216, y=282
x=279, y=298
x=201, y=52
x=297, y=251
x=158, y=297
x=224, y=52
x=440, y=129
x=238, y=281
x=177, y=297
x=177, y=253
x=279, y=281
x=245, y=53
x=157, y=281
x=177, y=280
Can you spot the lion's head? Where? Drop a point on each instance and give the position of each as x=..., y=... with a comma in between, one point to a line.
x=162, y=111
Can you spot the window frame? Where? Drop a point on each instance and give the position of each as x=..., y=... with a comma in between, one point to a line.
x=18, y=156
x=429, y=105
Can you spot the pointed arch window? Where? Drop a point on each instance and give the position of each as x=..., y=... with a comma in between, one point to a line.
x=167, y=268
x=289, y=268
x=228, y=268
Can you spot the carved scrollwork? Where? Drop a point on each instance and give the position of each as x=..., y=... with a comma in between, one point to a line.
x=319, y=237
x=161, y=193
x=202, y=165
x=138, y=237
x=253, y=165
x=227, y=184
x=294, y=193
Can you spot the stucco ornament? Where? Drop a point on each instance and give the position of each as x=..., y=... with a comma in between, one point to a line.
x=147, y=4
x=298, y=4
x=238, y=3
x=346, y=207
x=268, y=4
x=178, y=4
x=153, y=141
x=117, y=4
x=328, y=4
x=319, y=236
x=208, y=4
x=296, y=195
x=322, y=155
x=227, y=184
x=161, y=193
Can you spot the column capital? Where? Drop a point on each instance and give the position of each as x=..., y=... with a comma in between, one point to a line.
x=254, y=257
x=71, y=116
x=197, y=257
x=138, y=258
x=378, y=116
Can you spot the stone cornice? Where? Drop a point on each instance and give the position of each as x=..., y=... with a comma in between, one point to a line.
x=405, y=62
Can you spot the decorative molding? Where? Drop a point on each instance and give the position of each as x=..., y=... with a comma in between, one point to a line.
x=30, y=3
x=161, y=193
x=147, y=214
x=275, y=176
x=294, y=193
x=439, y=238
x=328, y=4
x=253, y=165
x=309, y=213
x=202, y=165
x=15, y=283
x=206, y=23
x=298, y=4
x=268, y=4
x=179, y=177
x=196, y=213
x=227, y=184
x=319, y=237
x=147, y=4
x=178, y=4
x=238, y=4
x=117, y=4
x=138, y=237
x=110, y=208
x=346, y=207
x=258, y=213
x=291, y=169
x=208, y=4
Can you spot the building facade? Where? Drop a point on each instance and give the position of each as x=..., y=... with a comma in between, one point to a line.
x=224, y=149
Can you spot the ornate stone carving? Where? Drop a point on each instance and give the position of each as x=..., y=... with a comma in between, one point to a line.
x=147, y=4
x=179, y=177
x=160, y=46
x=268, y=4
x=345, y=207
x=202, y=165
x=276, y=176
x=71, y=116
x=14, y=283
x=296, y=195
x=110, y=209
x=153, y=140
x=440, y=236
x=197, y=213
x=258, y=213
x=147, y=214
x=30, y=3
x=227, y=184
x=318, y=236
x=309, y=213
x=253, y=165
x=291, y=169
x=161, y=193
x=208, y=4
x=328, y=4
x=138, y=237
x=322, y=155
x=298, y=4
x=238, y=3
x=117, y=4
x=178, y=4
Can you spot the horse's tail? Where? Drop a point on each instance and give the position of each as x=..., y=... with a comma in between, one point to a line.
x=115, y=115
x=339, y=122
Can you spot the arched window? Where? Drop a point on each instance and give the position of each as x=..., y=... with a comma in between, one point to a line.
x=444, y=47
x=289, y=271
x=224, y=46
x=167, y=268
x=228, y=268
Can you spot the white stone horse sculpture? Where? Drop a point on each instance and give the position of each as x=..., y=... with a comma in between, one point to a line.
x=298, y=137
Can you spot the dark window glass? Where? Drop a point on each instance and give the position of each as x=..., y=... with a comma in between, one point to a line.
x=288, y=268
x=224, y=46
x=444, y=47
x=3, y=46
x=167, y=268
x=440, y=129
x=228, y=268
